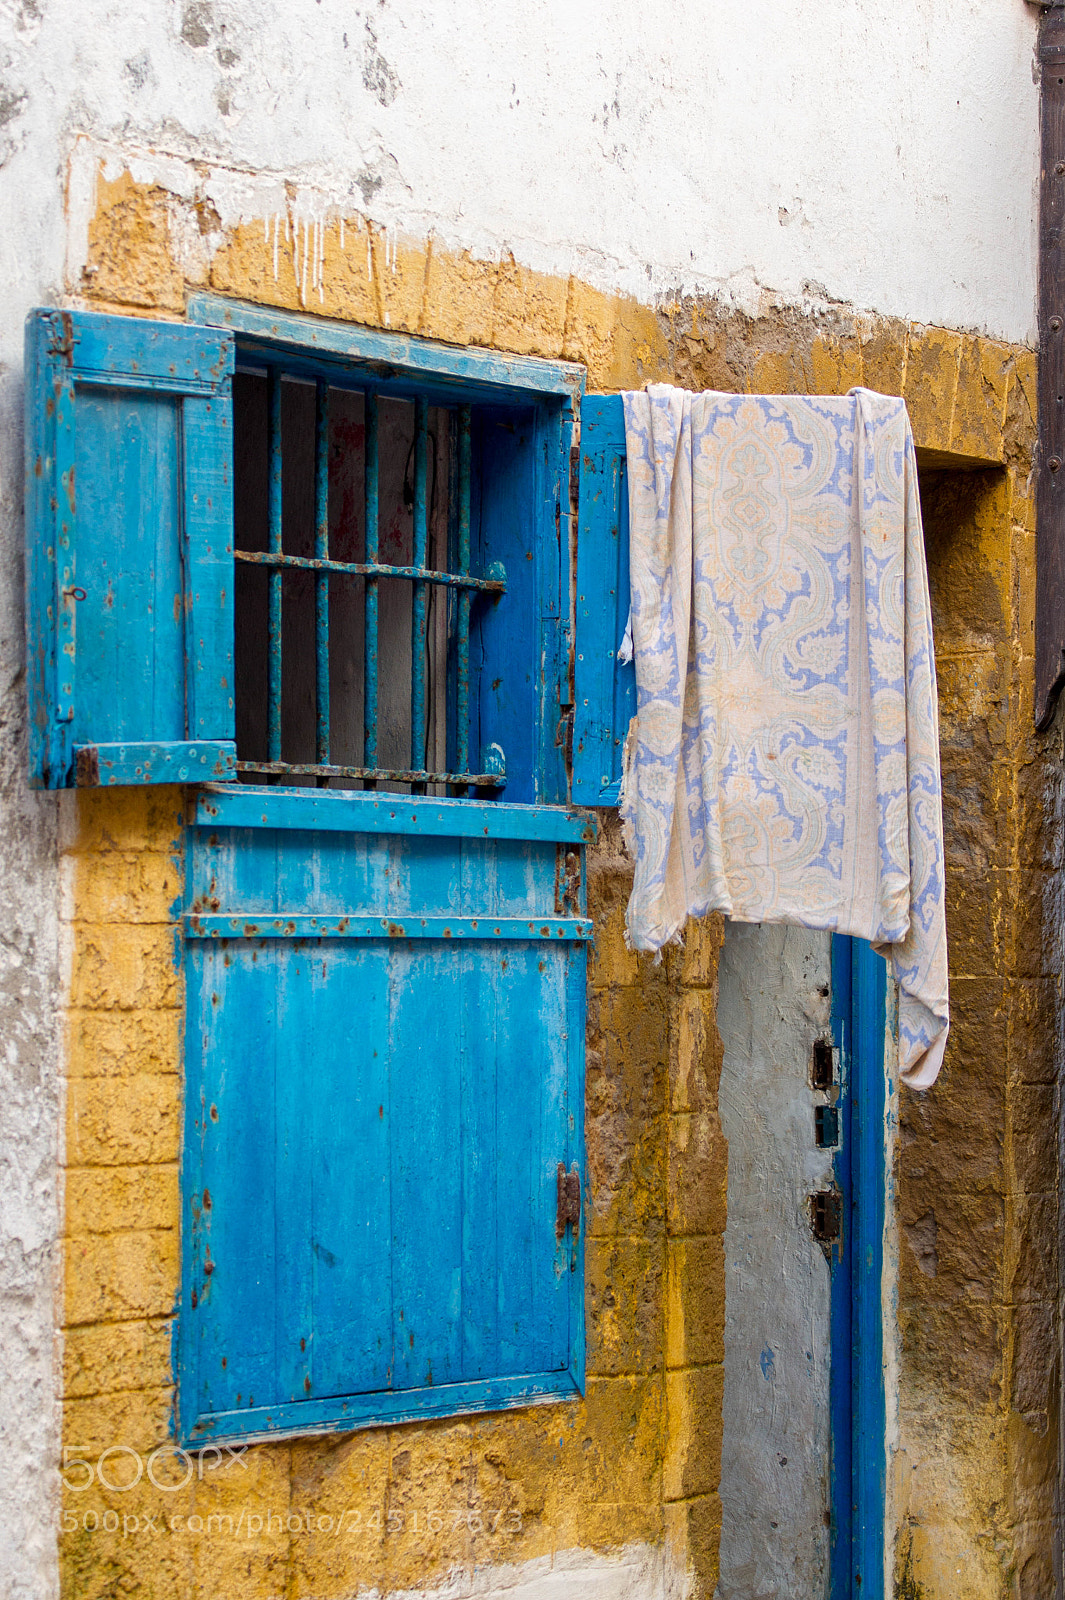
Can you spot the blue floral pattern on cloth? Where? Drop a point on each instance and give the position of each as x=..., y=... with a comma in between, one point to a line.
x=783, y=765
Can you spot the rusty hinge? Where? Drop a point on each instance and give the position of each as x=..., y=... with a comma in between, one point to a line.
x=567, y=882
x=569, y=1199
x=826, y=1216
x=63, y=337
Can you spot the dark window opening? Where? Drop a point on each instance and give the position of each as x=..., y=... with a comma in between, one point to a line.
x=370, y=537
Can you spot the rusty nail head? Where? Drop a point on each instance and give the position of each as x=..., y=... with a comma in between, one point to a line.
x=1054, y=463
x=1060, y=167
x=1055, y=324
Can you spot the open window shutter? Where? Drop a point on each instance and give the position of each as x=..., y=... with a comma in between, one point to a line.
x=129, y=563
x=605, y=688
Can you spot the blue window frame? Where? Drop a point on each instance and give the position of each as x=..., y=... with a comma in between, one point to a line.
x=385, y=957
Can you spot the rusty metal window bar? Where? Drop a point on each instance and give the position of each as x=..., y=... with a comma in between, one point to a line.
x=455, y=585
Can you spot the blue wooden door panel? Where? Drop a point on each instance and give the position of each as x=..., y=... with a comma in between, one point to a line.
x=231, y=1134
x=604, y=687
x=129, y=550
x=412, y=1099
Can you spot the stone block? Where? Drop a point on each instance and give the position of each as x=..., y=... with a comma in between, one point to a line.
x=529, y=311
x=148, y=818
x=131, y=258
x=141, y=886
x=954, y=1133
x=979, y=909
x=123, y=1044
x=1037, y=927
x=1041, y=814
x=1033, y=1037
x=121, y=1122
x=623, y=1305
x=980, y=403
x=114, y=1199
x=120, y=1277
x=930, y=384
x=953, y=1348
x=692, y=1463
x=137, y=1418
x=698, y=1174
x=836, y=365
x=701, y=953
x=112, y=1356
x=1034, y=1121
x=957, y=1239
x=695, y=1071
x=459, y=297
x=693, y=1545
x=1033, y=1267
x=695, y=1302
x=623, y=1438
x=399, y=266
x=883, y=350
x=1035, y=1365
x=124, y=966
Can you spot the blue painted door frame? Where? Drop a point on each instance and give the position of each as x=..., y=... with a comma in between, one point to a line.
x=859, y=1002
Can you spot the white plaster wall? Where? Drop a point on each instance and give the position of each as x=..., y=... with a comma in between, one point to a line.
x=884, y=155
x=773, y=1002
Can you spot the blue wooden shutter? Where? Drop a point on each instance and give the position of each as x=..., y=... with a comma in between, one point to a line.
x=129, y=565
x=384, y=1069
x=605, y=690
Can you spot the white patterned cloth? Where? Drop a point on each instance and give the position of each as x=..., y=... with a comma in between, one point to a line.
x=783, y=765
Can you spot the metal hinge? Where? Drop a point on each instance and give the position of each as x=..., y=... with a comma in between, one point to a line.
x=569, y=1199
x=826, y=1216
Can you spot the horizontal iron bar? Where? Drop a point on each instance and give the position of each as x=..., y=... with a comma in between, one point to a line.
x=372, y=569
x=401, y=926
x=308, y=769
x=348, y=811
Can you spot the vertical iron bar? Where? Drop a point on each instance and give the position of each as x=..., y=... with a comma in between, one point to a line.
x=321, y=551
x=371, y=471
x=418, y=606
x=274, y=619
x=462, y=696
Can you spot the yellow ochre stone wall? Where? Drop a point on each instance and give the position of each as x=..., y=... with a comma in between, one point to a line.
x=639, y=1458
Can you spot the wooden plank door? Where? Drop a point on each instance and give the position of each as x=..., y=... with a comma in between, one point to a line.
x=385, y=1043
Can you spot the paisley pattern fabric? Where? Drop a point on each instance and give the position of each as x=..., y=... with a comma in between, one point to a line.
x=783, y=765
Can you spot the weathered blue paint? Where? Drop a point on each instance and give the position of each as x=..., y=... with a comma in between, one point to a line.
x=604, y=688
x=408, y=366
x=462, y=646
x=859, y=1454
x=372, y=487
x=418, y=596
x=109, y=765
x=275, y=460
x=353, y=925
x=129, y=539
x=446, y=1073
x=352, y=812
x=321, y=584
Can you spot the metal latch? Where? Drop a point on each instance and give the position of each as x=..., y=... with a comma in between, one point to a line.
x=826, y=1216
x=826, y=1127
x=569, y=1199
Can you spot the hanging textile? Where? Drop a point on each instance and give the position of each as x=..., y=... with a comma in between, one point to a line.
x=783, y=765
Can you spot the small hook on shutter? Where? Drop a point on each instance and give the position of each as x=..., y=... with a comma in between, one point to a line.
x=568, y=1214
